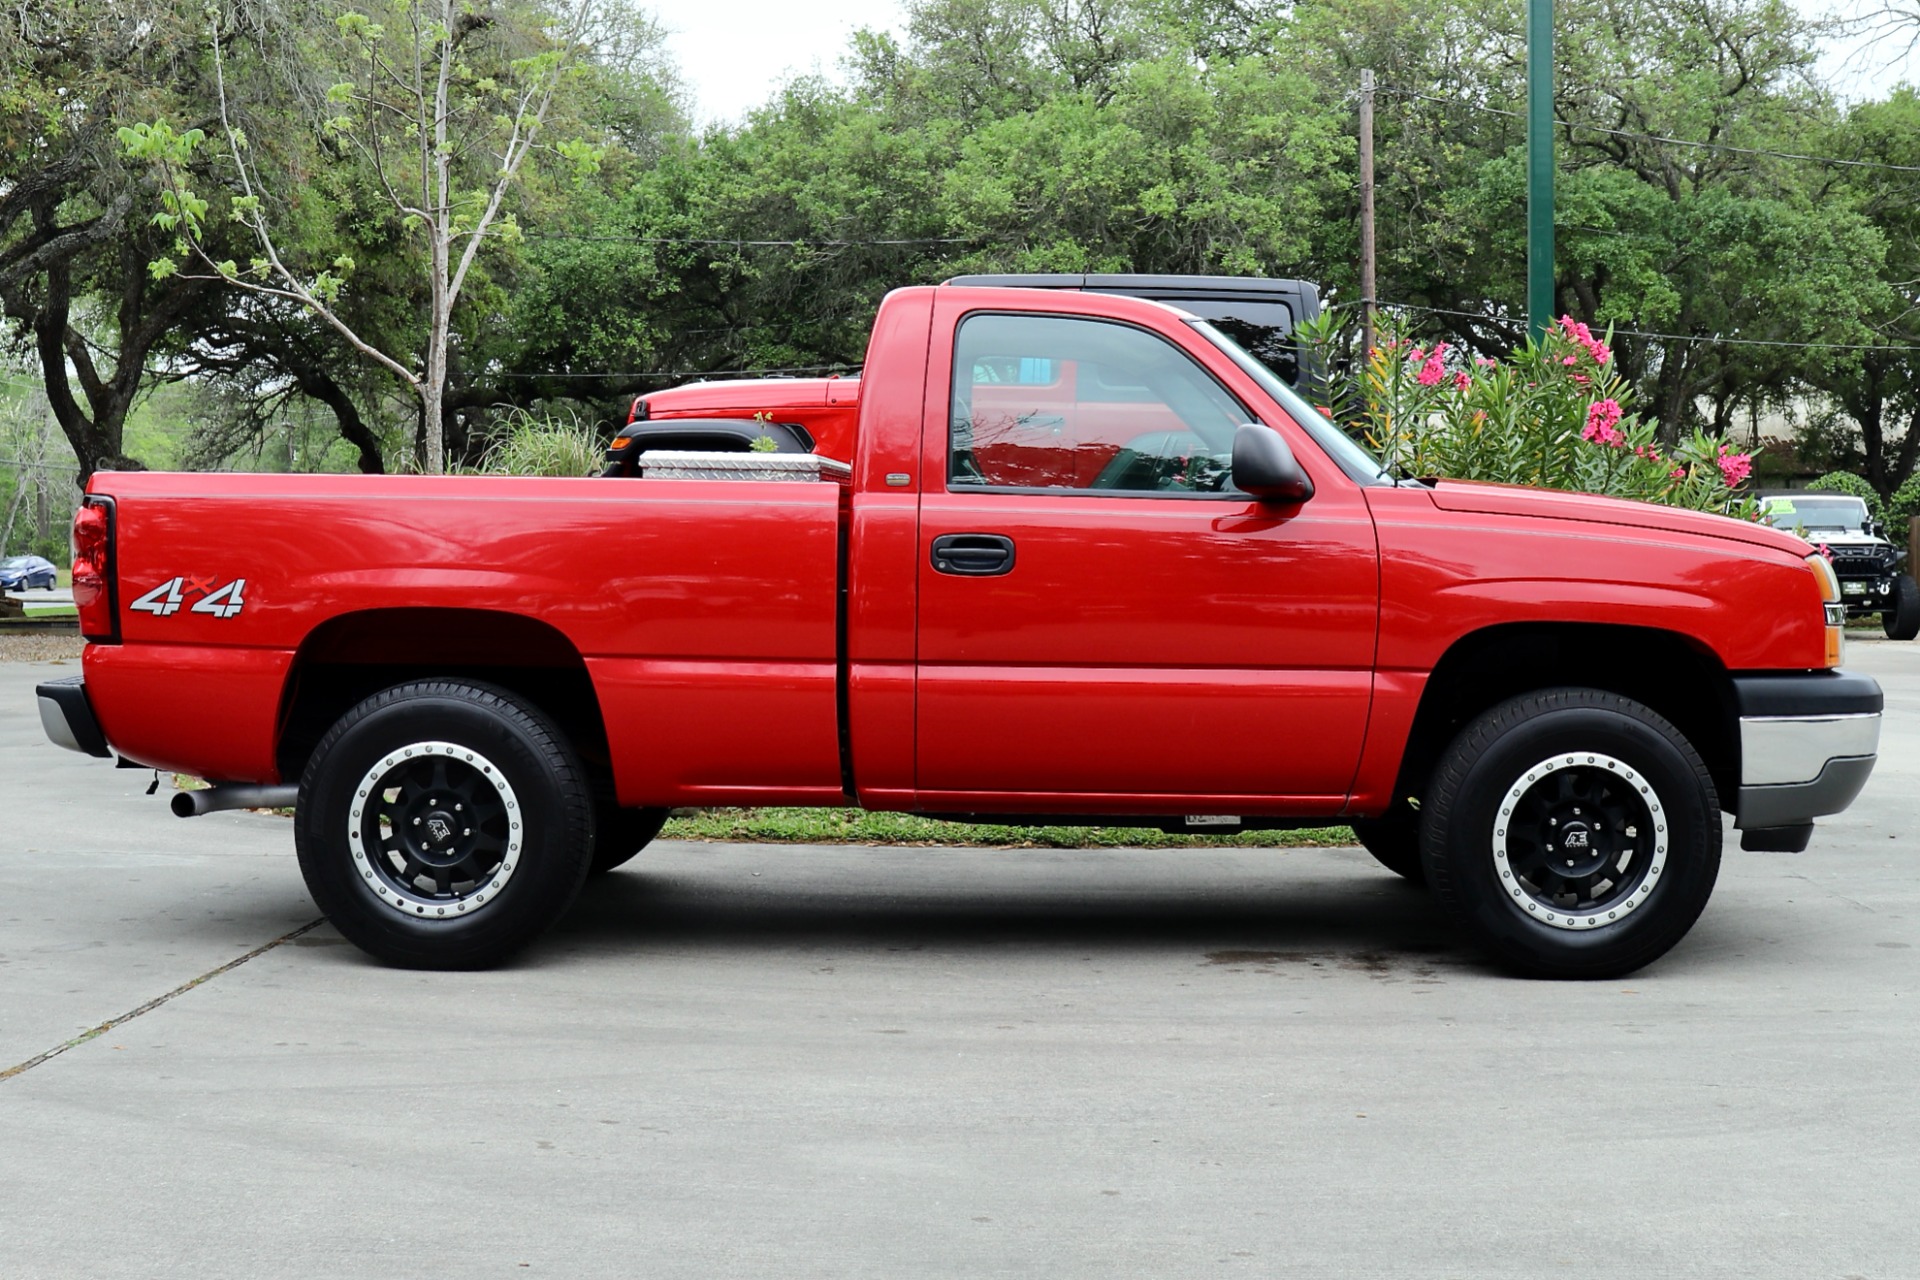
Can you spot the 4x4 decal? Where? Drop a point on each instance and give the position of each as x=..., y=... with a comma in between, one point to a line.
x=166, y=599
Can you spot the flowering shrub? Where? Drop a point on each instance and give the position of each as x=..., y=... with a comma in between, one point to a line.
x=1557, y=414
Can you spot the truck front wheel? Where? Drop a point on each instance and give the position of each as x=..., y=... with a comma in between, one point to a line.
x=1574, y=833
x=443, y=825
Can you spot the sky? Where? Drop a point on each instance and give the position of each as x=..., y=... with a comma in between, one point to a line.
x=732, y=53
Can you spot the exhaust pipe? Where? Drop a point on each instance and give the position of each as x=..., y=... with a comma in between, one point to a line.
x=232, y=795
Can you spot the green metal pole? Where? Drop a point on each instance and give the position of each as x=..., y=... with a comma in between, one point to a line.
x=1539, y=167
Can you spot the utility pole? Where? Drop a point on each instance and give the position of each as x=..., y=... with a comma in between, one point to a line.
x=1368, y=301
x=1539, y=167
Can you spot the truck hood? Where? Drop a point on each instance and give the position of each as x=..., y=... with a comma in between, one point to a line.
x=1554, y=504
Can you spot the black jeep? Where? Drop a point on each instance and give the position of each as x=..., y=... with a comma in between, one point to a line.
x=1868, y=565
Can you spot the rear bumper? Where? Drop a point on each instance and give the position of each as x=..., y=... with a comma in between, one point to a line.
x=68, y=718
x=1808, y=743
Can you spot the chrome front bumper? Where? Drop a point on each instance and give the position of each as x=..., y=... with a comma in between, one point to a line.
x=1808, y=742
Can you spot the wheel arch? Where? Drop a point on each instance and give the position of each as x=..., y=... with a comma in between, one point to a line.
x=1670, y=673
x=354, y=655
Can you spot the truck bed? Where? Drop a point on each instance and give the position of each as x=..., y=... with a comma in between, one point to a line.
x=703, y=611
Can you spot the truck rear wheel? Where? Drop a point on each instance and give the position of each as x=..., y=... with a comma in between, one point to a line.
x=620, y=833
x=442, y=825
x=1901, y=621
x=1574, y=833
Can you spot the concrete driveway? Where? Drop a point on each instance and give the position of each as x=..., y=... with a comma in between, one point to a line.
x=750, y=1060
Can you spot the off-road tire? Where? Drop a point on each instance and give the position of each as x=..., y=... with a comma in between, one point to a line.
x=1394, y=841
x=1524, y=762
x=621, y=833
x=1901, y=621
x=503, y=767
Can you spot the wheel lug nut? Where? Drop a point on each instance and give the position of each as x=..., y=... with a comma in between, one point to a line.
x=416, y=822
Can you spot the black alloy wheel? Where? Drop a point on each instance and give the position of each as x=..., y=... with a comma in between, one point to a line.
x=443, y=825
x=1574, y=833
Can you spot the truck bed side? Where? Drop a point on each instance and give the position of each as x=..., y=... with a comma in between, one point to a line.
x=701, y=613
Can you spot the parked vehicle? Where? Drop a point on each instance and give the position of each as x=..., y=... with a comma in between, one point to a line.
x=23, y=573
x=1091, y=560
x=1259, y=314
x=1865, y=560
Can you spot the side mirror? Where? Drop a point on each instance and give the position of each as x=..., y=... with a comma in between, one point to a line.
x=1264, y=466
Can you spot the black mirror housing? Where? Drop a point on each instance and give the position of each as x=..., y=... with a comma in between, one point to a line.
x=1265, y=468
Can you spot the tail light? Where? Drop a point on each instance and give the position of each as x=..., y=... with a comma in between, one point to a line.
x=93, y=584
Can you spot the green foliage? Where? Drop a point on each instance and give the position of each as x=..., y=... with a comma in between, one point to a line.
x=1555, y=415
x=545, y=444
x=1903, y=506
x=1128, y=135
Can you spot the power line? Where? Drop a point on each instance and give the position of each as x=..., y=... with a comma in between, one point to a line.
x=1657, y=137
x=746, y=244
x=1702, y=339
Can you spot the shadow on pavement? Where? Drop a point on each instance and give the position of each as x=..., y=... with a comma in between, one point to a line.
x=630, y=909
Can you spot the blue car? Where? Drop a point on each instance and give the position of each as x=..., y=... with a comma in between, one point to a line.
x=19, y=573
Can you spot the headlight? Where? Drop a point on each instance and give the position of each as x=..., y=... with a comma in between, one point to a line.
x=1834, y=613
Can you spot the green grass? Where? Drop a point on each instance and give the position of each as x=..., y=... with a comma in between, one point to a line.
x=856, y=826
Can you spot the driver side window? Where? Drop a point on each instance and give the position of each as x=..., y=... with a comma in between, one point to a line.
x=1059, y=402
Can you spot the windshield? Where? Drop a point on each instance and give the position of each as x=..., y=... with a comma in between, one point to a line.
x=1832, y=515
x=1342, y=448
x=17, y=562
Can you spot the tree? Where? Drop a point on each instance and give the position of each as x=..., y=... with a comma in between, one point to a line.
x=1876, y=379
x=444, y=104
x=74, y=285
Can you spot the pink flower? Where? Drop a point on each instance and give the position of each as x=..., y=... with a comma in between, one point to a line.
x=1603, y=417
x=1431, y=372
x=1485, y=362
x=1569, y=359
x=1581, y=378
x=1735, y=467
x=1584, y=336
x=1461, y=381
x=1679, y=473
x=1646, y=451
x=1325, y=410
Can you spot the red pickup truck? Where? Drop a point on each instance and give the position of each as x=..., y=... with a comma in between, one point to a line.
x=1090, y=559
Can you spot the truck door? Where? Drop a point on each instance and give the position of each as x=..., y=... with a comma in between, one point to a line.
x=1136, y=635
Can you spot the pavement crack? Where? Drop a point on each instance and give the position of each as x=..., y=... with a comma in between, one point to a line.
x=157, y=1001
